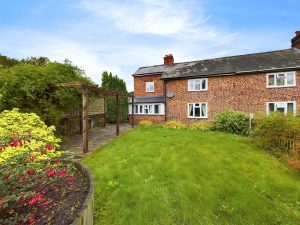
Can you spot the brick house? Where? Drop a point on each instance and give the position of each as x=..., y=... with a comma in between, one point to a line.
x=197, y=90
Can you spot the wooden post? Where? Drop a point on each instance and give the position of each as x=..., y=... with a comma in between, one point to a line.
x=85, y=97
x=132, y=111
x=105, y=113
x=117, y=115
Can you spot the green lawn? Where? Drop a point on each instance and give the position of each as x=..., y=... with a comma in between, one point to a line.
x=164, y=176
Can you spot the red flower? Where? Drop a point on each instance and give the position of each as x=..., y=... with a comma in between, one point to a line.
x=6, y=177
x=56, y=162
x=31, y=219
x=30, y=172
x=62, y=173
x=31, y=159
x=50, y=172
x=14, y=143
x=43, y=152
x=72, y=185
x=22, y=199
x=49, y=147
x=70, y=178
x=35, y=198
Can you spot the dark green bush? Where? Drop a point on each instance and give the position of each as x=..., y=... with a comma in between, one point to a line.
x=276, y=132
x=231, y=121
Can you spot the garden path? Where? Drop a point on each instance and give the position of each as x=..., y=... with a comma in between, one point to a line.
x=97, y=138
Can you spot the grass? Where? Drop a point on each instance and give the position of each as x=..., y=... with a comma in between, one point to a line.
x=162, y=176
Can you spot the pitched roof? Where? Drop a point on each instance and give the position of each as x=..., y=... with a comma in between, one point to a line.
x=240, y=64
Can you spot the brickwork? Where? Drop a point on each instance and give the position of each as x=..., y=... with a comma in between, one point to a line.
x=140, y=85
x=152, y=118
x=247, y=93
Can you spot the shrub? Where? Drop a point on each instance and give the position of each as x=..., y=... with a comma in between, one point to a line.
x=231, y=121
x=174, y=124
x=145, y=123
x=201, y=125
x=274, y=132
x=25, y=135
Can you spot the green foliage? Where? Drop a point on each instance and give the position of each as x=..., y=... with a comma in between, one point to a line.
x=113, y=82
x=25, y=135
x=201, y=125
x=231, y=121
x=274, y=131
x=27, y=85
x=169, y=177
x=145, y=123
x=174, y=124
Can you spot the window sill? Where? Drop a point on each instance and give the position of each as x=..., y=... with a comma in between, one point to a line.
x=147, y=114
x=189, y=117
x=271, y=87
x=197, y=90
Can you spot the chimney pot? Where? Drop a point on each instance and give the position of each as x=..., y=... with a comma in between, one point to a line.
x=168, y=60
x=296, y=40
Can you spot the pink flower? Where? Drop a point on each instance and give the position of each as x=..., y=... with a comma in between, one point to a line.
x=70, y=178
x=50, y=172
x=31, y=159
x=72, y=185
x=49, y=147
x=14, y=143
x=30, y=172
x=31, y=219
x=35, y=198
x=62, y=173
x=56, y=162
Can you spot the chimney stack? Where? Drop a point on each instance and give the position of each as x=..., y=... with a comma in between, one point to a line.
x=296, y=40
x=168, y=60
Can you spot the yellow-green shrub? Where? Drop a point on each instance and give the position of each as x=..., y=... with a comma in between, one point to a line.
x=25, y=134
x=201, y=125
x=145, y=123
x=174, y=124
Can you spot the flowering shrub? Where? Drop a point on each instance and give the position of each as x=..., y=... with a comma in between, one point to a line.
x=25, y=134
x=27, y=175
x=201, y=125
x=145, y=123
x=174, y=124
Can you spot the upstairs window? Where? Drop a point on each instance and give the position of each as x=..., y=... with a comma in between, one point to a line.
x=197, y=84
x=283, y=107
x=149, y=86
x=197, y=110
x=287, y=79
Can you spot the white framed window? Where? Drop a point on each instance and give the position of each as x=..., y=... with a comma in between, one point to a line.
x=149, y=86
x=287, y=79
x=148, y=109
x=198, y=84
x=197, y=110
x=284, y=107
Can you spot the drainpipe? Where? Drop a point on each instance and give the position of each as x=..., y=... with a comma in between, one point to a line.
x=165, y=99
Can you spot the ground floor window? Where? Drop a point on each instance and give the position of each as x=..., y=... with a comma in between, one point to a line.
x=148, y=109
x=197, y=110
x=284, y=107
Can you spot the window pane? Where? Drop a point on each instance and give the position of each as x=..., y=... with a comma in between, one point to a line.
x=197, y=111
x=191, y=85
x=135, y=109
x=203, y=84
x=203, y=110
x=290, y=79
x=280, y=79
x=280, y=110
x=271, y=80
x=156, y=109
x=290, y=107
x=150, y=109
x=271, y=107
x=146, y=109
x=197, y=85
x=191, y=109
x=141, y=108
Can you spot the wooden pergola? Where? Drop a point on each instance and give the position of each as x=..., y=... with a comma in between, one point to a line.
x=86, y=88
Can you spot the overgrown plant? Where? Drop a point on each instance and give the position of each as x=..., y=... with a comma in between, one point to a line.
x=232, y=122
x=145, y=123
x=276, y=132
x=174, y=124
x=201, y=125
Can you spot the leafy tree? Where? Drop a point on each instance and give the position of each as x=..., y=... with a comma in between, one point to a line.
x=115, y=83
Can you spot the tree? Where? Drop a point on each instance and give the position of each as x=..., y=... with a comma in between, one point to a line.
x=115, y=83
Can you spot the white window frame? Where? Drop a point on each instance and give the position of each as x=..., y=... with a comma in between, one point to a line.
x=149, y=106
x=285, y=80
x=150, y=86
x=199, y=80
x=285, y=107
x=200, y=104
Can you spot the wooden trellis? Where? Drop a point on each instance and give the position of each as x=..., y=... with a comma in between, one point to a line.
x=86, y=88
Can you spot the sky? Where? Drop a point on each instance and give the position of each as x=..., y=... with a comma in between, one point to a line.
x=121, y=36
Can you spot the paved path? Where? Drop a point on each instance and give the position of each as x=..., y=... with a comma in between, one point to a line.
x=97, y=138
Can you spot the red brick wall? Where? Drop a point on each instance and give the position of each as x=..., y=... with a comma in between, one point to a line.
x=247, y=93
x=140, y=85
x=153, y=119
